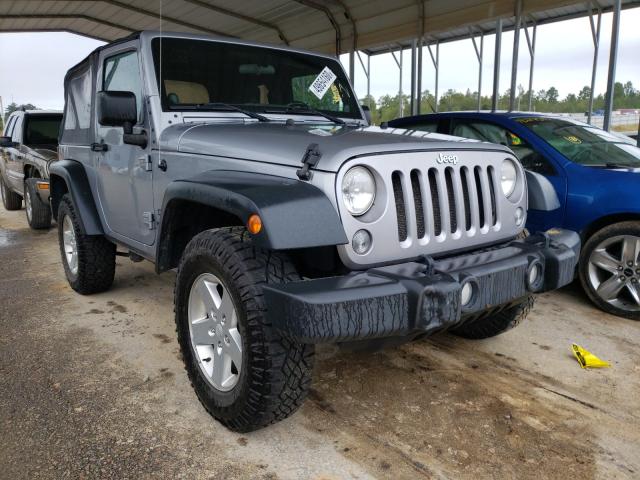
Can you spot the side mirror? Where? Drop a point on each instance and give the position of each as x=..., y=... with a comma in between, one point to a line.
x=367, y=113
x=117, y=109
x=7, y=142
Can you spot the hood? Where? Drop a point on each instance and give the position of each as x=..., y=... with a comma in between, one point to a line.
x=47, y=154
x=281, y=144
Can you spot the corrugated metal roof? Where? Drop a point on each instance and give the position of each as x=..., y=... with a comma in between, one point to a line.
x=322, y=25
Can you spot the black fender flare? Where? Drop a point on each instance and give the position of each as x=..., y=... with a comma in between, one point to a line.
x=70, y=176
x=294, y=214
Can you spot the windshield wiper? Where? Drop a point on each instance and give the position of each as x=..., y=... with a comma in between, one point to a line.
x=217, y=106
x=303, y=107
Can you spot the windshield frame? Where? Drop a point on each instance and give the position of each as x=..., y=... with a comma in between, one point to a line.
x=605, y=137
x=275, y=109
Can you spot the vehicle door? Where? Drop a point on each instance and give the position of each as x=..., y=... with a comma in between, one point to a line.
x=5, y=151
x=15, y=157
x=124, y=178
x=531, y=158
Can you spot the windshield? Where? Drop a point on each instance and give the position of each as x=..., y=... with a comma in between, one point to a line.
x=42, y=129
x=584, y=144
x=200, y=74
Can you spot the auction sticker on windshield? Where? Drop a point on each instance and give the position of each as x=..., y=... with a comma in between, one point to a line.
x=323, y=82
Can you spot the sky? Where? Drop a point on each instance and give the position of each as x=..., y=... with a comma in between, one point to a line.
x=34, y=64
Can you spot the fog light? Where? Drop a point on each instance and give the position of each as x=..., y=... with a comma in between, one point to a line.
x=519, y=216
x=535, y=275
x=466, y=294
x=361, y=242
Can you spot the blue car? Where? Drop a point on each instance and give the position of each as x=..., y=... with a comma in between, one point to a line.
x=596, y=176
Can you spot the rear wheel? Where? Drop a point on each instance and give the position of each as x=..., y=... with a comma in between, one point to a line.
x=10, y=200
x=486, y=327
x=89, y=260
x=38, y=212
x=243, y=371
x=610, y=269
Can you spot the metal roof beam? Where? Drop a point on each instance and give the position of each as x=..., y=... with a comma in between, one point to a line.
x=240, y=16
x=151, y=13
x=322, y=8
x=55, y=30
x=63, y=16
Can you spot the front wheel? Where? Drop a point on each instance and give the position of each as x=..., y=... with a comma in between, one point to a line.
x=243, y=371
x=490, y=326
x=610, y=269
x=89, y=260
x=38, y=212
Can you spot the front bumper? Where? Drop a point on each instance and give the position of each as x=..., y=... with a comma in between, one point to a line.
x=416, y=298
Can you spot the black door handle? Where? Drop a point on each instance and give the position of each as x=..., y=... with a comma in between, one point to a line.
x=162, y=165
x=99, y=147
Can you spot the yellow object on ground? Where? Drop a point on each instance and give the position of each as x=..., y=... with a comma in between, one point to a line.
x=587, y=359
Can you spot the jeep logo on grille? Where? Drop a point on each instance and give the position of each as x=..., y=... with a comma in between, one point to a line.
x=444, y=158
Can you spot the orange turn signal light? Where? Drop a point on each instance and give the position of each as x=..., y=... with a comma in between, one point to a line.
x=42, y=186
x=254, y=224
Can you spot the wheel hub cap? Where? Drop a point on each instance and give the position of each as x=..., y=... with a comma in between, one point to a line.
x=214, y=334
x=614, y=271
x=69, y=245
x=28, y=204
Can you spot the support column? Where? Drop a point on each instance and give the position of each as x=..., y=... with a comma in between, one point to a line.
x=496, y=66
x=436, y=65
x=419, y=80
x=367, y=73
x=595, y=35
x=413, y=78
x=479, y=55
x=352, y=68
x=399, y=63
x=613, y=60
x=514, y=59
x=531, y=44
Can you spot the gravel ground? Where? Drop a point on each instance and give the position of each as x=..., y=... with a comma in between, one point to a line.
x=93, y=387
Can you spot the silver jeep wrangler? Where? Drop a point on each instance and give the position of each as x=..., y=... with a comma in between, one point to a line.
x=252, y=170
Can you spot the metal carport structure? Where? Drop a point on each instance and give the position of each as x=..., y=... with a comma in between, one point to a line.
x=332, y=26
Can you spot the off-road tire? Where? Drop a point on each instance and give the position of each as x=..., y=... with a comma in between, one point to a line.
x=96, y=255
x=276, y=372
x=623, y=228
x=486, y=327
x=40, y=211
x=10, y=200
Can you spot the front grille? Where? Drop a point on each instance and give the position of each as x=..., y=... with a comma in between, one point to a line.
x=444, y=201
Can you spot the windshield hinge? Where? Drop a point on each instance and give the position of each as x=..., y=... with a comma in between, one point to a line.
x=310, y=159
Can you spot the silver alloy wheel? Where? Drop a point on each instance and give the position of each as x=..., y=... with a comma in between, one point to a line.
x=27, y=203
x=70, y=245
x=213, y=328
x=614, y=271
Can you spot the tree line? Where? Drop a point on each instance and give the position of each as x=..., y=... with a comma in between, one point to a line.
x=387, y=107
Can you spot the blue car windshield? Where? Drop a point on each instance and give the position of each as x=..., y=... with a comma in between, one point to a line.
x=584, y=144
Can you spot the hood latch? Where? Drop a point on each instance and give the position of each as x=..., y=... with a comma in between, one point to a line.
x=310, y=159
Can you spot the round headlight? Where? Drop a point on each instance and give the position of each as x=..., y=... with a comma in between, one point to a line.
x=358, y=190
x=508, y=177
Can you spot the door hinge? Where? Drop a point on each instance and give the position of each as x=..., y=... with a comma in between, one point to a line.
x=149, y=220
x=145, y=162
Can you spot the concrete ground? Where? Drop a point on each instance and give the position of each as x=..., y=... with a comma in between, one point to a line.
x=93, y=387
